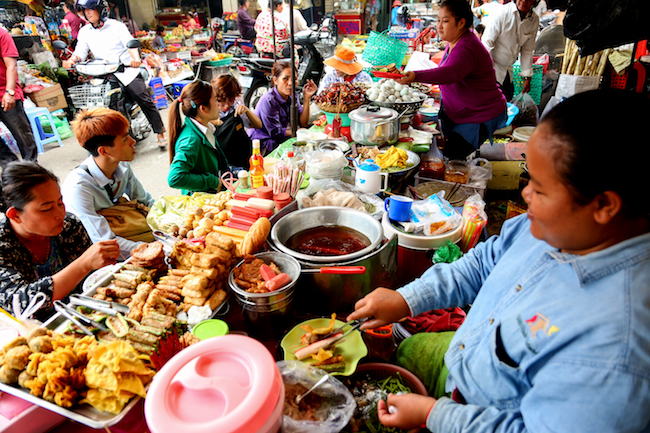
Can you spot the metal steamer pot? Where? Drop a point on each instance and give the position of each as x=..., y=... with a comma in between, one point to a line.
x=373, y=125
x=322, y=294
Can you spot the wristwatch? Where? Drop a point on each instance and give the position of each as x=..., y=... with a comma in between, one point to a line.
x=11, y=92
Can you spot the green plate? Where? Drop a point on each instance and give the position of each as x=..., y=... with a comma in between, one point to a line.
x=352, y=349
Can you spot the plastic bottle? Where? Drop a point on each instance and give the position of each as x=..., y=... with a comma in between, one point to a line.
x=256, y=155
x=291, y=160
x=257, y=174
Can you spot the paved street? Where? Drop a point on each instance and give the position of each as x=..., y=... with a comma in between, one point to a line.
x=150, y=165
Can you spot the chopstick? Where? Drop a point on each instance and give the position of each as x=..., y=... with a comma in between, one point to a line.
x=454, y=190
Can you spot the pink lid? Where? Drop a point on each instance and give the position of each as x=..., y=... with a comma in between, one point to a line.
x=228, y=384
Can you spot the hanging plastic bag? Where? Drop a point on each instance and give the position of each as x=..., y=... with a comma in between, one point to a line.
x=338, y=403
x=528, y=114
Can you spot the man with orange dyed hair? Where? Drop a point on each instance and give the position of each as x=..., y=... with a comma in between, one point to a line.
x=105, y=176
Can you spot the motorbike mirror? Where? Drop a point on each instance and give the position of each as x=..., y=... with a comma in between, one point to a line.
x=59, y=45
x=314, y=27
x=133, y=43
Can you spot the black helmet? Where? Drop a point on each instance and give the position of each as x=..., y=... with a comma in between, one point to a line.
x=100, y=5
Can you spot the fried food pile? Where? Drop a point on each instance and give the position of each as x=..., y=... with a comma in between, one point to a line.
x=150, y=256
x=208, y=266
x=249, y=277
x=351, y=98
x=114, y=374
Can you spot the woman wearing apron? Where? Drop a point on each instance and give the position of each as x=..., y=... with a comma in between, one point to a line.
x=234, y=119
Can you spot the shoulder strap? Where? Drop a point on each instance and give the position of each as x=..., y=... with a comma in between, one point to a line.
x=108, y=189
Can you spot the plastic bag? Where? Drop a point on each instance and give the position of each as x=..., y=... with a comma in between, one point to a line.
x=338, y=404
x=448, y=253
x=480, y=170
x=170, y=210
x=528, y=114
x=373, y=204
x=474, y=220
x=61, y=127
x=434, y=215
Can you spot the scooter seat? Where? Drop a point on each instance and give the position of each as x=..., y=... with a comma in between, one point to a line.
x=262, y=63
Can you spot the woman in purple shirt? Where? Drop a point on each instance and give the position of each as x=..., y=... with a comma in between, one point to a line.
x=473, y=107
x=274, y=108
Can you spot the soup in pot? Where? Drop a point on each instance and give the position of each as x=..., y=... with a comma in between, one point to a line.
x=328, y=241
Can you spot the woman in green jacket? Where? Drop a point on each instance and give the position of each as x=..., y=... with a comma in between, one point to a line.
x=197, y=161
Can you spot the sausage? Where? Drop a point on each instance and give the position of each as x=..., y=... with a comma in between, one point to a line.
x=277, y=282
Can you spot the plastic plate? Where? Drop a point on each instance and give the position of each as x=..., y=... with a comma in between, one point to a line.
x=353, y=348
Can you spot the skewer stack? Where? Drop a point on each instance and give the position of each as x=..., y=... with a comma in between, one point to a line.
x=592, y=65
x=285, y=179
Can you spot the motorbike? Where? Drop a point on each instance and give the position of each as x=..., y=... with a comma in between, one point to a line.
x=104, y=89
x=237, y=46
x=255, y=73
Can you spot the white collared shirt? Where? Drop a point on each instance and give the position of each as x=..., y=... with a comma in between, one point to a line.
x=107, y=43
x=205, y=129
x=507, y=35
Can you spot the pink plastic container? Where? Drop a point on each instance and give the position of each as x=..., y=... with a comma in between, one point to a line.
x=228, y=384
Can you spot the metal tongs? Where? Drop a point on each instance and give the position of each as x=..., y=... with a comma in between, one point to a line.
x=106, y=307
x=77, y=318
x=356, y=324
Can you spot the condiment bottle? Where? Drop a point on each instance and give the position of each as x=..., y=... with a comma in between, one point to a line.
x=244, y=180
x=257, y=174
x=336, y=126
x=291, y=160
x=256, y=154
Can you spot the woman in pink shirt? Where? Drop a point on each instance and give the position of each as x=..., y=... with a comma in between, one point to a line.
x=73, y=19
x=472, y=106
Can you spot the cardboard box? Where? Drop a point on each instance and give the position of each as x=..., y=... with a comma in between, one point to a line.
x=51, y=98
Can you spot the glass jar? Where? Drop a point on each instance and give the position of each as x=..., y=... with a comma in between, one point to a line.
x=432, y=168
x=457, y=172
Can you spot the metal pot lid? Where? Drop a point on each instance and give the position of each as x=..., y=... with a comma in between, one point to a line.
x=373, y=113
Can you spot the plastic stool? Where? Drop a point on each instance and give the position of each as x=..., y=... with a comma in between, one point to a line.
x=41, y=137
x=177, y=87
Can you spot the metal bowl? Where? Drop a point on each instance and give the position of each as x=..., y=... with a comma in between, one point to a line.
x=403, y=108
x=298, y=221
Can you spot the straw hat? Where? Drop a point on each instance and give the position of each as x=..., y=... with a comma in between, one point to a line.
x=345, y=61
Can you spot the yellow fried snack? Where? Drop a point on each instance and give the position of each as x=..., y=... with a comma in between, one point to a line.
x=393, y=157
x=115, y=373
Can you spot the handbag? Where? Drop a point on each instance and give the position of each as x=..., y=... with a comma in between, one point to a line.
x=128, y=219
x=382, y=49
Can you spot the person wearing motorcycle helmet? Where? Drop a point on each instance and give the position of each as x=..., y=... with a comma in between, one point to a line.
x=106, y=38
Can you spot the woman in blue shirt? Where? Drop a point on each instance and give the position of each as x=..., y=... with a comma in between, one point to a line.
x=557, y=336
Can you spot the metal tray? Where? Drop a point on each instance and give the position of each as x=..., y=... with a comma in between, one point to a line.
x=84, y=413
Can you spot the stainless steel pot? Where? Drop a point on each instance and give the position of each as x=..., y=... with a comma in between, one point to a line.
x=373, y=125
x=298, y=221
x=323, y=294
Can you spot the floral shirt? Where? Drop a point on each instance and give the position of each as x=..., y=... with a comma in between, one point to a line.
x=264, y=39
x=17, y=271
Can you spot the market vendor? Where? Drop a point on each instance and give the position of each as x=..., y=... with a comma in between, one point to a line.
x=346, y=69
x=107, y=38
x=472, y=106
x=556, y=338
x=197, y=160
x=158, y=42
x=234, y=119
x=96, y=191
x=42, y=249
x=274, y=108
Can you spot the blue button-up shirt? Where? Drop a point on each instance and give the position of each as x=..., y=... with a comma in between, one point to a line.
x=552, y=342
x=84, y=194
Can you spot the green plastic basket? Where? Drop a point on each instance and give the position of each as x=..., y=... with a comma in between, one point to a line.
x=535, y=81
x=382, y=49
x=222, y=62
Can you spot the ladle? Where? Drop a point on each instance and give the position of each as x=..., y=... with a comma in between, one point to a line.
x=321, y=381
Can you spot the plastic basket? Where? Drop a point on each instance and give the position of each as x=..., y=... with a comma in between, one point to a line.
x=535, y=82
x=88, y=96
x=382, y=49
x=223, y=62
